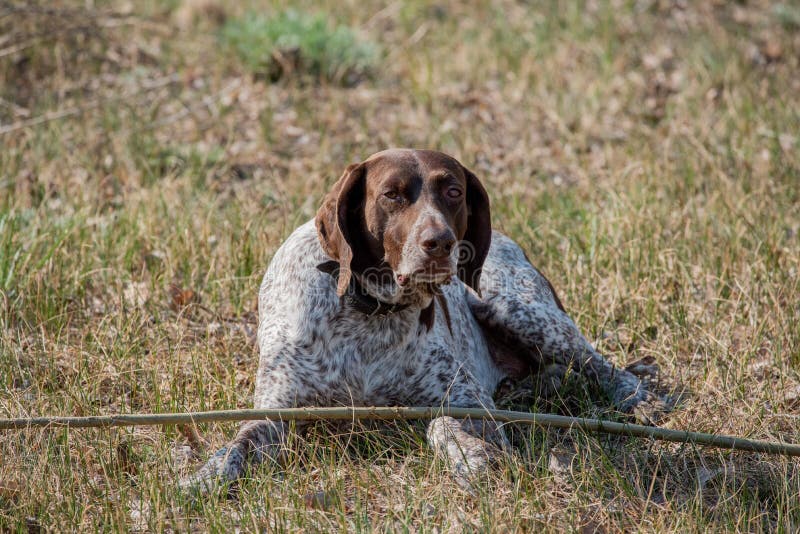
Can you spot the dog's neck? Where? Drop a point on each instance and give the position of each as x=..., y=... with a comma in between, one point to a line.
x=386, y=289
x=381, y=295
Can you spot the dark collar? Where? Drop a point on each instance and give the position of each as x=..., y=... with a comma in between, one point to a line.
x=357, y=297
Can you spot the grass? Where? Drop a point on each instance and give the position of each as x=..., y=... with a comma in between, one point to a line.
x=292, y=41
x=645, y=155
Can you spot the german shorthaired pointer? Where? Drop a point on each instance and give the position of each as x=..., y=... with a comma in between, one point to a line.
x=400, y=293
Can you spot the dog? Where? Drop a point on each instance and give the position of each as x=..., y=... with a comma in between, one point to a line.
x=400, y=293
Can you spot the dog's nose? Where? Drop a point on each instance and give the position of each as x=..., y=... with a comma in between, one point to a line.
x=437, y=243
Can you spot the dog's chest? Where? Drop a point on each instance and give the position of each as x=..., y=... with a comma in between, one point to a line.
x=396, y=360
x=375, y=358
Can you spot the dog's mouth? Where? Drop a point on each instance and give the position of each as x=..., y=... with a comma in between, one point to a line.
x=429, y=275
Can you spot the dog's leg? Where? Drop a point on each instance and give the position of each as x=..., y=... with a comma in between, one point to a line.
x=256, y=442
x=278, y=385
x=470, y=448
x=545, y=335
x=520, y=308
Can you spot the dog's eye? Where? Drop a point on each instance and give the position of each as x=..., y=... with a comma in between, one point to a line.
x=454, y=192
x=392, y=195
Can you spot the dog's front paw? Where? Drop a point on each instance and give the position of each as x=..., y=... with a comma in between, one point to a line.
x=470, y=459
x=215, y=475
x=645, y=406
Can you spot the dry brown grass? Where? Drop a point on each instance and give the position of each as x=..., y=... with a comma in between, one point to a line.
x=645, y=154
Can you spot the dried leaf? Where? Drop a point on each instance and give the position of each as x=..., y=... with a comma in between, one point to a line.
x=193, y=437
x=10, y=490
x=190, y=11
x=320, y=500
x=124, y=461
x=180, y=297
x=772, y=51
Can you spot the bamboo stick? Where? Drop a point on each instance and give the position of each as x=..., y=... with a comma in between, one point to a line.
x=390, y=413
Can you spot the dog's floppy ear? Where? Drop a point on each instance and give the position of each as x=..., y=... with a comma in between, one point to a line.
x=338, y=220
x=478, y=236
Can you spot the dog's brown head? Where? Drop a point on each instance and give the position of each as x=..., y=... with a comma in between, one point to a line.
x=414, y=217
